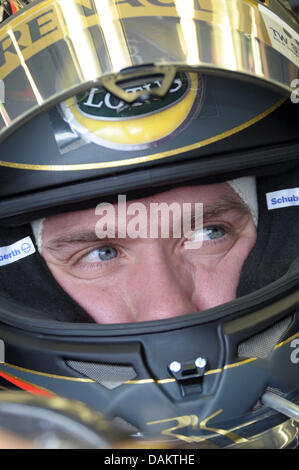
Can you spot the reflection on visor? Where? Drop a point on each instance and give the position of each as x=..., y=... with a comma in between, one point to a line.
x=54, y=47
x=99, y=117
x=196, y=112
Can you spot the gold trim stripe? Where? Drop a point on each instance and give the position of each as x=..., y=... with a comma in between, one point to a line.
x=141, y=382
x=286, y=341
x=45, y=374
x=144, y=159
x=166, y=381
x=215, y=371
x=145, y=381
x=236, y=364
x=38, y=387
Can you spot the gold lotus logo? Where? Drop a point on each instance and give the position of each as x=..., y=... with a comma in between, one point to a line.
x=106, y=120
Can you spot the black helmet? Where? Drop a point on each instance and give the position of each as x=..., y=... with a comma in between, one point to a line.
x=138, y=98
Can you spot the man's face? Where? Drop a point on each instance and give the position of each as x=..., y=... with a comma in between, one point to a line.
x=123, y=279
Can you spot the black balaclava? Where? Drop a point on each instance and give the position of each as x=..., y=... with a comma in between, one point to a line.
x=30, y=283
x=277, y=245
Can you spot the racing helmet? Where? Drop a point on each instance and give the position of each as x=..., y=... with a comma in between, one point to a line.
x=101, y=98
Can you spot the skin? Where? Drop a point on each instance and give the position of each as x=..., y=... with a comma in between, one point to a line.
x=152, y=279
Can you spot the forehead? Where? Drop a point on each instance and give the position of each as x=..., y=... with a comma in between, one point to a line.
x=205, y=194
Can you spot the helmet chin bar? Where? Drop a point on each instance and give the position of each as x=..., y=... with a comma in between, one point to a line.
x=189, y=374
x=201, y=403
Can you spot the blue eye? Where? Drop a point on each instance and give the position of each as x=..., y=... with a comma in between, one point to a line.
x=213, y=233
x=104, y=253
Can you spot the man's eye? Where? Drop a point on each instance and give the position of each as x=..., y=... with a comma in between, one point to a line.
x=200, y=238
x=213, y=233
x=104, y=253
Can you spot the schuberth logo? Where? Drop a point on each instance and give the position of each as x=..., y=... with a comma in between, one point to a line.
x=106, y=120
x=283, y=198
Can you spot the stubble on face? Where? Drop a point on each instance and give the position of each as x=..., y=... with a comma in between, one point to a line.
x=138, y=284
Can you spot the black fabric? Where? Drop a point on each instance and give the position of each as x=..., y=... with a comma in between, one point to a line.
x=277, y=245
x=30, y=283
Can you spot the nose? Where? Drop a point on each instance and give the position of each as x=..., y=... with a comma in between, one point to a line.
x=165, y=286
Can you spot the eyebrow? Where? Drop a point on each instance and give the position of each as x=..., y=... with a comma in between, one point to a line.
x=89, y=236
x=81, y=236
x=225, y=205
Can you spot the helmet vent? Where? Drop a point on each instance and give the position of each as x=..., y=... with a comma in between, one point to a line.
x=109, y=376
x=262, y=344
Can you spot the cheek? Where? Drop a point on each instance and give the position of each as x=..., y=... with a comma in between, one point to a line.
x=102, y=301
x=217, y=280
